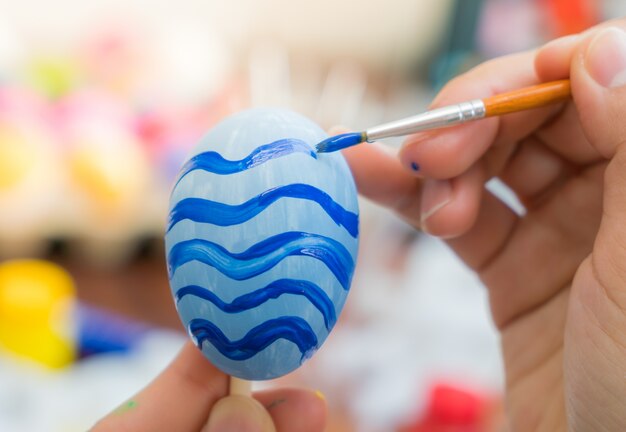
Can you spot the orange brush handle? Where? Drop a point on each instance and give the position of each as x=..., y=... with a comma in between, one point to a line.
x=529, y=97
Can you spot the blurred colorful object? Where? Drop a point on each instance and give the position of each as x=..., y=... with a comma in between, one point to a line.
x=101, y=331
x=37, y=301
x=30, y=172
x=87, y=156
x=53, y=76
x=572, y=16
x=454, y=408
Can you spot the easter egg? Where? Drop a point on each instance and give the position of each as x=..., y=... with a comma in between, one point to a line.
x=261, y=242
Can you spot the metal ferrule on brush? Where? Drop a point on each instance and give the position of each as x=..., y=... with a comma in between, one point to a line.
x=436, y=118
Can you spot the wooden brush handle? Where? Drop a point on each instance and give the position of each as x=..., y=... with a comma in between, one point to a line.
x=529, y=97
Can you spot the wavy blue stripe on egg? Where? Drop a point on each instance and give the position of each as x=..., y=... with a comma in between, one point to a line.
x=296, y=215
x=214, y=162
x=294, y=267
x=235, y=326
x=312, y=292
x=252, y=182
x=293, y=329
x=264, y=255
x=217, y=213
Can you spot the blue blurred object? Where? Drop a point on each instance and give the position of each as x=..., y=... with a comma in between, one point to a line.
x=101, y=332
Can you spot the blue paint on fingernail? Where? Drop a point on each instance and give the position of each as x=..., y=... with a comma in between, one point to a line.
x=415, y=167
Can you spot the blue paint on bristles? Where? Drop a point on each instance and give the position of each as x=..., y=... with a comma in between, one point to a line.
x=339, y=142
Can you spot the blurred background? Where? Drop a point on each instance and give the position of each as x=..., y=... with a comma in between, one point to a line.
x=99, y=103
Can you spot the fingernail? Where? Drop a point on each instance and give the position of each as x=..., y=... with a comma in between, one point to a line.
x=606, y=58
x=435, y=195
x=408, y=153
x=320, y=395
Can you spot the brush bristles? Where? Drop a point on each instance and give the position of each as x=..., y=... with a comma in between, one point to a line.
x=340, y=142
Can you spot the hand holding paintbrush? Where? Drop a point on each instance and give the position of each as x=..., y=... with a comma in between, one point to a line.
x=555, y=273
x=451, y=115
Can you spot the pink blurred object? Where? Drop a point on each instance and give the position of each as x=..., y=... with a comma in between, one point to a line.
x=113, y=59
x=22, y=105
x=88, y=106
x=168, y=134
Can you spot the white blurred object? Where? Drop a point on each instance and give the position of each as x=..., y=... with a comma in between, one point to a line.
x=381, y=34
x=193, y=57
x=12, y=49
x=614, y=8
x=269, y=76
x=35, y=400
x=341, y=98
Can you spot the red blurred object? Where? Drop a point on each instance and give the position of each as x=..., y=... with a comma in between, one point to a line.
x=572, y=16
x=451, y=405
x=454, y=409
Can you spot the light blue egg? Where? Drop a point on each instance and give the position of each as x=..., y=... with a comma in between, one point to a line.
x=261, y=242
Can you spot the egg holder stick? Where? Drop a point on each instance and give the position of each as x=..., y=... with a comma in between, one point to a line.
x=239, y=387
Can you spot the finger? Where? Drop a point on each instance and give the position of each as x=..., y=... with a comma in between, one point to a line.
x=239, y=413
x=295, y=409
x=552, y=241
x=595, y=337
x=446, y=153
x=535, y=171
x=450, y=207
x=598, y=77
x=489, y=234
x=380, y=177
x=179, y=399
x=553, y=60
x=565, y=137
x=475, y=223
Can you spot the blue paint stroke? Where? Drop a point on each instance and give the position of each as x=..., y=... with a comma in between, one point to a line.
x=213, y=162
x=264, y=255
x=340, y=142
x=312, y=292
x=217, y=213
x=291, y=328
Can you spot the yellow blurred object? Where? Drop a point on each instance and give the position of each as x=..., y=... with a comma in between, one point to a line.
x=98, y=174
x=16, y=159
x=109, y=168
x=53, y=76
x=37, y=300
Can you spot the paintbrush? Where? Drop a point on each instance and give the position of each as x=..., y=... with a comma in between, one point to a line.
x=514, y=101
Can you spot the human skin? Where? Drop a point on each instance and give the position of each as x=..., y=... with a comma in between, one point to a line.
x=556, y=276
x=191, y=395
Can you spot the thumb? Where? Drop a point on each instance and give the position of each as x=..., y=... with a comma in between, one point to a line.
x=598, y=77
x=239, y=414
